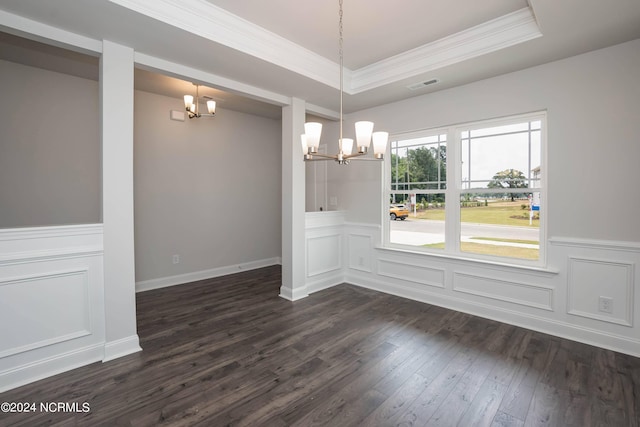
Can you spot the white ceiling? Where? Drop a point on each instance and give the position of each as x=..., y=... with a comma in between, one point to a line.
x=373, y=29
x=274, y=49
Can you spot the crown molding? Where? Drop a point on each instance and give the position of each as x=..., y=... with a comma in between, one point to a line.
x=508, y=30
x=218, y=25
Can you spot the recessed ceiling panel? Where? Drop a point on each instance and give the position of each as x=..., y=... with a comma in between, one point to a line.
x=373, y=29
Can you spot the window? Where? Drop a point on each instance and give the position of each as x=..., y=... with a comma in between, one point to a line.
x=419, y=181
x=484, y=202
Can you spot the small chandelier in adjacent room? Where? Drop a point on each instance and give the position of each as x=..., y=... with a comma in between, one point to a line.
x=193, y=108
x=364, y=131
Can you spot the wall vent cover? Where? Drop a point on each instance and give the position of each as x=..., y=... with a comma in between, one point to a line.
x=420, y=85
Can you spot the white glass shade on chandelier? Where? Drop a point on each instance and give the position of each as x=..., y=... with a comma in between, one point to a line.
x=193, y=108
x=364, y=130
x=364, y=136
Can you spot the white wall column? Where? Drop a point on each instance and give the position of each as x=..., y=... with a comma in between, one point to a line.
x=116, y=96
x=293, y=202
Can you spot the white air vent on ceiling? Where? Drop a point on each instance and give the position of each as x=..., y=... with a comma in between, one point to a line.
x=420, y=85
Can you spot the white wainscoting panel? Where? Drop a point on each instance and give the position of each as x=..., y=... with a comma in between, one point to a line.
x=324, y=254
x=411, y=272
x=360, y=247
x=502, y=290
x=325, y=249
x=51, y=301
x=26, y=305
x=591, y=279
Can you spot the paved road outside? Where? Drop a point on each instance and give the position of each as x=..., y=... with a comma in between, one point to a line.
x=419, y=232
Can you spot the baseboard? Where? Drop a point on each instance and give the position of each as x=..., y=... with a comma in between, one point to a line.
x=45, y=368
x=553, y=327
x=180, y=279
x=121, y=347
x=311, y=286
x=293, y=295
x=325, y=283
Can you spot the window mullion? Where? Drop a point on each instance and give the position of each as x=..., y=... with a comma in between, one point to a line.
x=452, y=193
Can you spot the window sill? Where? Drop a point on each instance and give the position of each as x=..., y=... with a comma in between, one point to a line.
x=479, y=262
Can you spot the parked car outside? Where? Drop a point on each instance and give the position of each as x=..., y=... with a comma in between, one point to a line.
x=398, y=211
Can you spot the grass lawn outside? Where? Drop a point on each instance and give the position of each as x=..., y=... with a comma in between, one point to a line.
x=499, y=213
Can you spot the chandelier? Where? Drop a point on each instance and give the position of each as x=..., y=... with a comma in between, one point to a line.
x=364, y=130
x=193, y=108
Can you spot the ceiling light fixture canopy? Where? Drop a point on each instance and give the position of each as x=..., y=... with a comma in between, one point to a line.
x=193, y=108
x=364, y=130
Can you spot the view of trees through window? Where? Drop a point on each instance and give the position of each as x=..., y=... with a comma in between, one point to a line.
x=491, y=193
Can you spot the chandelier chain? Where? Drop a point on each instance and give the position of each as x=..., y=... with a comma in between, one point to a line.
x=340, y=40
x=364, y=129
x=341, y=51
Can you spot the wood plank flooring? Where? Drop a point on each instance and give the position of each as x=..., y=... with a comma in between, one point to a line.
x=229, y=351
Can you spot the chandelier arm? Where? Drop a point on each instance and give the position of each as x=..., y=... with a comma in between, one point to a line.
x=364, y=159
x=351, y=156
x=313, y=159
x=324, y=156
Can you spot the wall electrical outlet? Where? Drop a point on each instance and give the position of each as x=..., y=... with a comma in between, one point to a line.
x=605, y=304
x=176, y=259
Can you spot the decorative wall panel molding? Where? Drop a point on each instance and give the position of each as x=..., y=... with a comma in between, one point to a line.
x=591, y=280
x=411, y=273
x=359, y=250
x=502, y=290
x=58, y=231
x=51, y=301
x=608, y=245
x=324, y=254
x=37, y=244
x=30, y=316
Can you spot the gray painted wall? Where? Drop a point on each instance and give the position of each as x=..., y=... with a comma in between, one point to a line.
x=49, y=148
x=206, y=189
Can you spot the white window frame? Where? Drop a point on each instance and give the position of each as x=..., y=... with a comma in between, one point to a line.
x=454, y=191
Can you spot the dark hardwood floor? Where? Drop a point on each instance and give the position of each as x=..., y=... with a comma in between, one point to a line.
x=229, y=351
